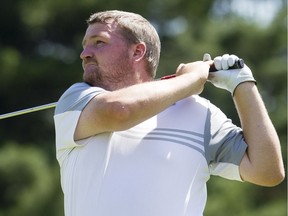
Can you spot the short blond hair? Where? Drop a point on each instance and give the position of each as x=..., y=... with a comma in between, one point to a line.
x=135, y=29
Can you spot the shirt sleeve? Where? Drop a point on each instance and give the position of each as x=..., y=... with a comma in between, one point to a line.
x=76, y=97
x=225, y=146
x=67, y=113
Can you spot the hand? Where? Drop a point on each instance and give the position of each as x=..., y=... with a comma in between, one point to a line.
x=199, y=67
x=226, y=78
x=194, y=74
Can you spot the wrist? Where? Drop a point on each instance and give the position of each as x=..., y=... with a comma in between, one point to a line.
x=244, y=88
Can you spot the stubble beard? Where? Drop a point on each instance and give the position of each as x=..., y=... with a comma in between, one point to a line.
x=92, y=76
x=112, y=77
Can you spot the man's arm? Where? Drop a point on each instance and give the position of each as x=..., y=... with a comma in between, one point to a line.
x=124, y=108
x=262, y=163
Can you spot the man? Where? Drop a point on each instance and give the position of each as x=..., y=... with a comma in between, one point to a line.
x=131, y=146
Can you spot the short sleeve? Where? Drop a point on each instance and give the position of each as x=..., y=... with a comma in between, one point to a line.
x=225, y=146
x=67, y=113
x=76, y=97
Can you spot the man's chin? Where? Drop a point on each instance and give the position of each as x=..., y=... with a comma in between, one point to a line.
x=93, y=81
x=88, y=80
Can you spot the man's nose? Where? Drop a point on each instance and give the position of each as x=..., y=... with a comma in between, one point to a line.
x=86, y=53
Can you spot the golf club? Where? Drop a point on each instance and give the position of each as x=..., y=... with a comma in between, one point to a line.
x=238, y=64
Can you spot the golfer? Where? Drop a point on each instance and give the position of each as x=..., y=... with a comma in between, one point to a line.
x=129, y=145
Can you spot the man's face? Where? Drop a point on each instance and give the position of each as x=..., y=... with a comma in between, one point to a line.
x=105, y=57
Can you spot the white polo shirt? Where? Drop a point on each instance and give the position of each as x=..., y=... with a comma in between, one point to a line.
x=157, y=168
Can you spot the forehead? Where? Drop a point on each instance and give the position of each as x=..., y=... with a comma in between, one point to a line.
x=101, y=30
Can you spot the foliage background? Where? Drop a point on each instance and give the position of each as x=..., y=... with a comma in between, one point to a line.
x=40, y=43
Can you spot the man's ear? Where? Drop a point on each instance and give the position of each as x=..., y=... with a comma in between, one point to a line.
x=139, y=51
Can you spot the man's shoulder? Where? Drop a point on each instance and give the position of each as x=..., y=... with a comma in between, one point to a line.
x=76, y=97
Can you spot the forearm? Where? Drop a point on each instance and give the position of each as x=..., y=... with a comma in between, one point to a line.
x=142, y=101
x=126, y=107
x=264, y=152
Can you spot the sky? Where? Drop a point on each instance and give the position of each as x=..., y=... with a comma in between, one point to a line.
x=260, y=11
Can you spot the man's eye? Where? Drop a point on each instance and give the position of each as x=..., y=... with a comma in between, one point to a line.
x=99, y=42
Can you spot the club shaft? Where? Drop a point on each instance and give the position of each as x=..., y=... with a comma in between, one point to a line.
x=238, y=64
x=29, y=110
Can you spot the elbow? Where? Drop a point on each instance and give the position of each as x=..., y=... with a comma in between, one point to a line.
x=274, y=182
x=274, y=174
x=277, y=178
x=120, y=115
x=273, y=178
x=265, y=176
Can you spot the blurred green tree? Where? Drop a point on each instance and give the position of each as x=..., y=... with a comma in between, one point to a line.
x=28, y=184
x=40, y=43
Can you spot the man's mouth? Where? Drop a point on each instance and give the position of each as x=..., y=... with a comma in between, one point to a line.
x=89, y=64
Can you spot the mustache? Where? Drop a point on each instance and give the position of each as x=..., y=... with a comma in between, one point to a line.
x=88, y=61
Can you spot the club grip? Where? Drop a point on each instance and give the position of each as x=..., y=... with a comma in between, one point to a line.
x=237, y=65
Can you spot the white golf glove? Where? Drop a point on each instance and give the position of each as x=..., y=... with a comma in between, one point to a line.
x=226, y=78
